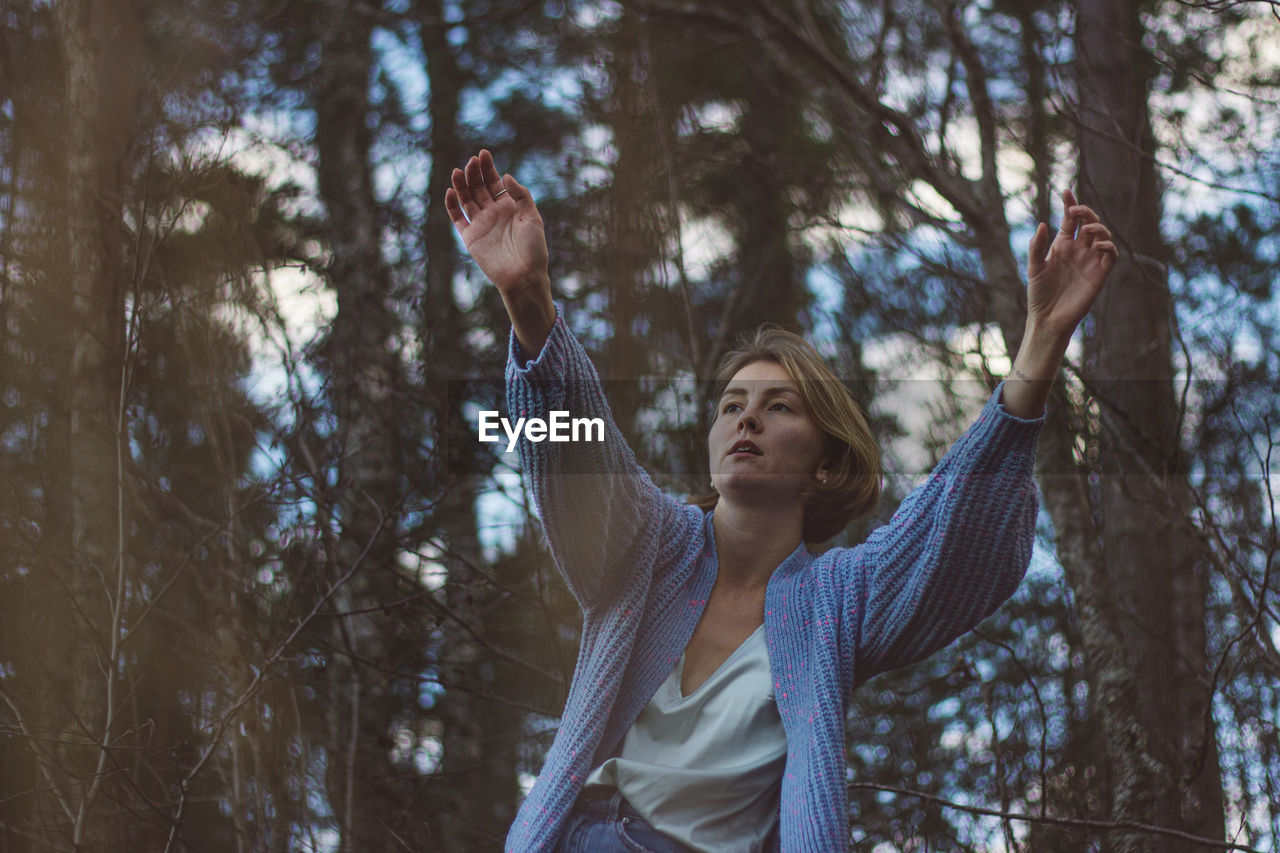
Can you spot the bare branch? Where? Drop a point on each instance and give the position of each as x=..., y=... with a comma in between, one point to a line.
x=1078, y=823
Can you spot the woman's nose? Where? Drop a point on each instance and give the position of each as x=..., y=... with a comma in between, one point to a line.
x=749, y=420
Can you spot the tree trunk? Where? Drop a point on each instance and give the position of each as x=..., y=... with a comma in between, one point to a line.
x=1145, y=580
x=631, y=248
x=474, y=797
x=100, y=42
x=365, y=390
x=770, y=274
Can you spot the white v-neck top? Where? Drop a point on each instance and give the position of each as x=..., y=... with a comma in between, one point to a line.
x=706, y=768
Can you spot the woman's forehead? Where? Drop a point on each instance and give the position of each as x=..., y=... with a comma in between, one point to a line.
x=761, y=377
x=757, y=372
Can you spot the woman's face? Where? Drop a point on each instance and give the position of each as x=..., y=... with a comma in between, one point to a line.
x=764, y=445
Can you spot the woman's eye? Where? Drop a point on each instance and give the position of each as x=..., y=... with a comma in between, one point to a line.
x=729, y=407
x=782, y=406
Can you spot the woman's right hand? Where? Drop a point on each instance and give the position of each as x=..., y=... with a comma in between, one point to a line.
x=499, y=224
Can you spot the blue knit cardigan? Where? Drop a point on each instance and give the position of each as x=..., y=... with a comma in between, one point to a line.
x=642, y=564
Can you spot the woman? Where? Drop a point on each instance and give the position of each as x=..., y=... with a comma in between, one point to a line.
x=718, y=652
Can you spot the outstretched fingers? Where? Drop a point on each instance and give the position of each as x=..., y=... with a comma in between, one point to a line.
x=465, y=200
x=1094, y=232
x=454, y=208
x=475, y=183
x=1074, y=214
x=1081, y=222
x=1083, y=215
x=489, y=175
x=1069, y=223
x=1096, y=237
x=478, y=186
x=1038, y=251
x=518, y=192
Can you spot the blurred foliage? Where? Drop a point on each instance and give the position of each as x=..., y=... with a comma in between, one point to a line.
x=309, y=650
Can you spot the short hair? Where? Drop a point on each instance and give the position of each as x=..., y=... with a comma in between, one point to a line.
x=853, y=487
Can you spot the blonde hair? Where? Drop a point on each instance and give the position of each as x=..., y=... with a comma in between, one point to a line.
x=853, y=486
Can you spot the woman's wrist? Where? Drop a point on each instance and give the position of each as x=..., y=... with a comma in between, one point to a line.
x=532, y=314
x=1034, y=370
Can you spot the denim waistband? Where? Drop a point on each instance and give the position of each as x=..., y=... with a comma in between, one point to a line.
x=606, y=803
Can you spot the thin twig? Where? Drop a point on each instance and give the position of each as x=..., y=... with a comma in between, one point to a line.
x=1079, y=823
x=258, y=675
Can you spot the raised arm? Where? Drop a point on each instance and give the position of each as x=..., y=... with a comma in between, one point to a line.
x=958, y=546
x=954, y=551
x=608, y=524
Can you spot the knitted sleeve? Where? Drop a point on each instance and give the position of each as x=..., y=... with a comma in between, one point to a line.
x=603, y=516
x=955, y=550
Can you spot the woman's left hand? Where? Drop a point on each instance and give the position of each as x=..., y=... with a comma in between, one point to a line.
x=1064, y=280
x=1065, y=277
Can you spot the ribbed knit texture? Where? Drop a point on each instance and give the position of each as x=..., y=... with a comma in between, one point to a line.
x=641, y=565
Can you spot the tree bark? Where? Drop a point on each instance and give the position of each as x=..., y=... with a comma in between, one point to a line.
x=631, y=248
x=100, y=47
x=365, y=390
x=474, y=795
x=1147, y=578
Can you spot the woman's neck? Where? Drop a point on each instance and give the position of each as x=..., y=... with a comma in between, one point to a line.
x=753, y=541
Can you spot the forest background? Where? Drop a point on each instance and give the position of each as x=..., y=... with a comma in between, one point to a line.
x=261, y=589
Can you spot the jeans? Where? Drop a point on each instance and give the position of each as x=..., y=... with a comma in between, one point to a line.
x=612, y=826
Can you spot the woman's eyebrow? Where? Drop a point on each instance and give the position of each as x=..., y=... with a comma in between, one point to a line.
x=768, y=392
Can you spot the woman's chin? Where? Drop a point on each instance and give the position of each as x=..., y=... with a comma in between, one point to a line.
x=757, y=489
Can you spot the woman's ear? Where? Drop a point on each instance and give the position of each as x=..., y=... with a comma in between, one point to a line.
x=824, y=472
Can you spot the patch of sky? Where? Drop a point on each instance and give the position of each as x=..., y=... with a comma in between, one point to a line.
x=453, y=11
x=570, y=285
x=828, y=315
x=589, y=16
x=482, y=108
x=469, y=283
x=402, y=179
x=264, y=146
x=429, y=689
x=280, y=126
x=483, y=339
x=297, y=306
x=321, y=838
x=945, y=709
x=816, y=124
x=985, y=668
x=1058, y=651
x=705, y=243
x=405, y=68
x=711, y=117
x=590, y=322
x=424, y=565
x=896, y=358
x=1044, y=562
x=18, y=439
x=1005, y=90
x=600, y=155
x=427, y=755
x=476, y=106
x=501, y=509
x=906, y=90
x=561, y=88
